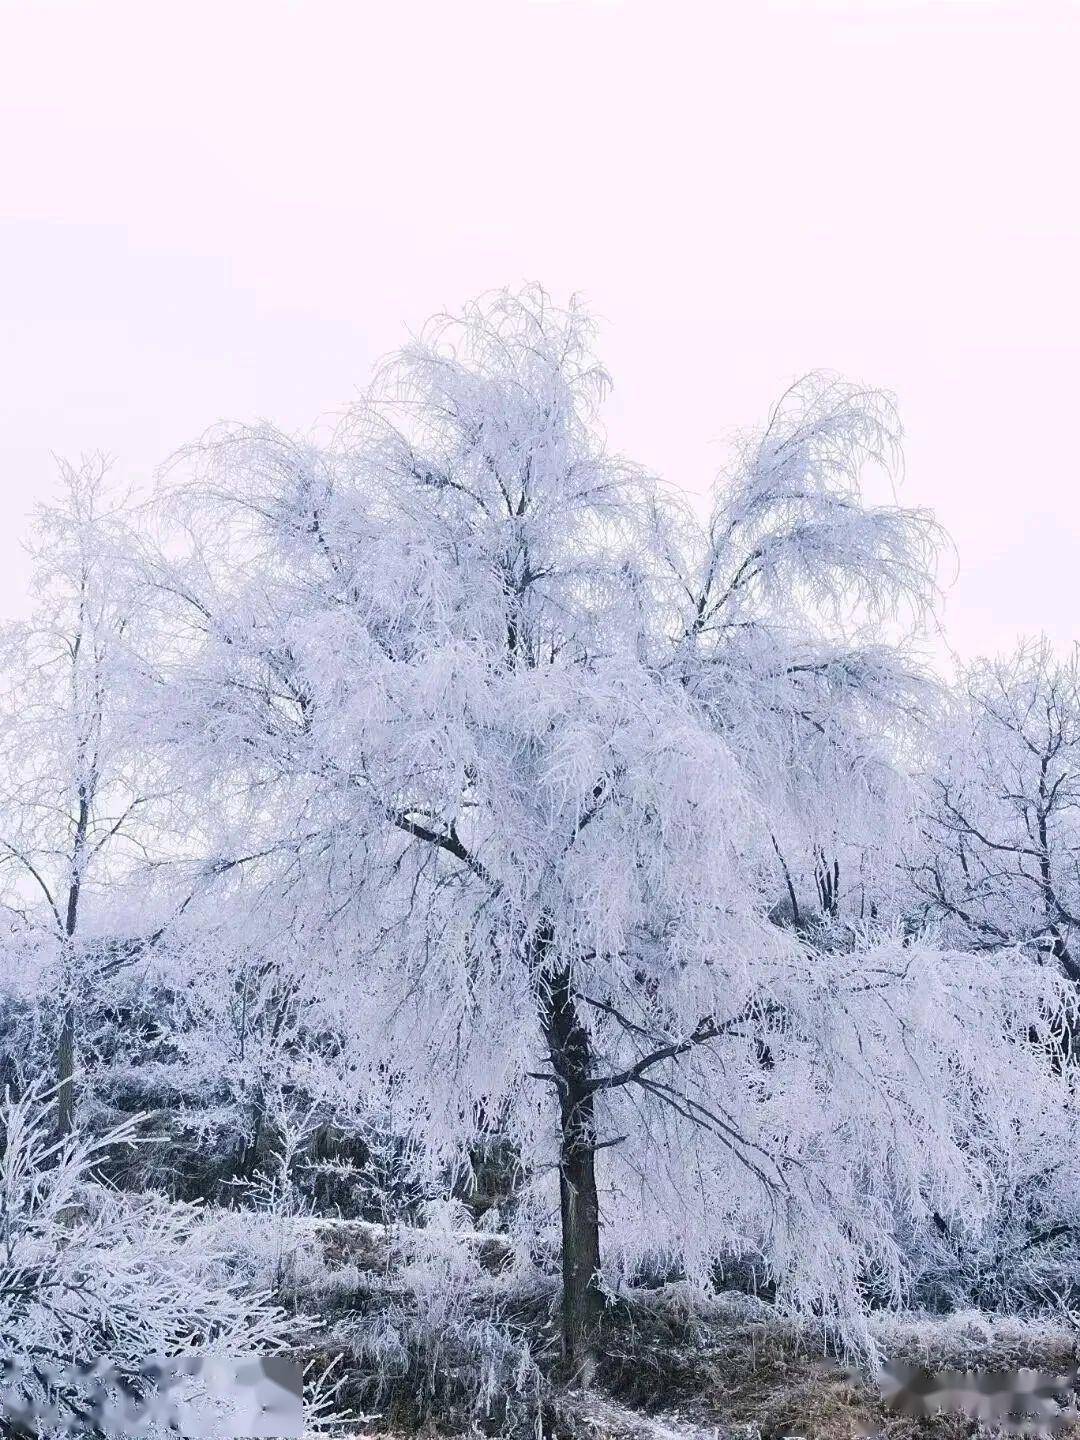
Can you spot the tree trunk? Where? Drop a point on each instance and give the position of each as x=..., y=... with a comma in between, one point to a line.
x=571, y=1059
x=65, y=1045
x=65, y=1092
x=249, y=1151
x=65, y=1072
x=580, y=1212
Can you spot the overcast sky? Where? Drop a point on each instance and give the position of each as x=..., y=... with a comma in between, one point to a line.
x=229, y=210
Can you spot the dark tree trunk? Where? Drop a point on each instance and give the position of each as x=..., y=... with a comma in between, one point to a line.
x=66, y=1043
x=580, y=1212
x=249, y=1150
x=571, y=1059
x=65, y=1072
x=65, y=1091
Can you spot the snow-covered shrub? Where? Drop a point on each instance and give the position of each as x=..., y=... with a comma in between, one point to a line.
x=87, y=1272
x=439, y=1340
x=1025, y=1259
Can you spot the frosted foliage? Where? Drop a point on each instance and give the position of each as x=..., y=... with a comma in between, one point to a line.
x=790, y=524
x=86, y=1272
x=526, y=758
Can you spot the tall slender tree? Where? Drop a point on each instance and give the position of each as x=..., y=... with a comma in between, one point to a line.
x=74, y=800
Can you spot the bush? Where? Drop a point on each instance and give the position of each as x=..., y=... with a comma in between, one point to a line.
x=89, y=1273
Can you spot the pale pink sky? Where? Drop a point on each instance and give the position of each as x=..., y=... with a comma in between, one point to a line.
x=231, y=209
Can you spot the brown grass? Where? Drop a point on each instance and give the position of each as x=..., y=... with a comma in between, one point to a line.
x=765, y=1379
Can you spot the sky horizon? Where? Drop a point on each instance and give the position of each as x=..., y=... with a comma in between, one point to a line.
x=231, y=212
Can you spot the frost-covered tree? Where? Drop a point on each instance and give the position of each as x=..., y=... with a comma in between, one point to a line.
x=1001, y=861
x=76, y=796
x=520, y=754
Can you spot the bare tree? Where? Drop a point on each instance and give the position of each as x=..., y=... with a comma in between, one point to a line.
x=1001, y=859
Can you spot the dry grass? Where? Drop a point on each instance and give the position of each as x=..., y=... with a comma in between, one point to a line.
x=759, y=1377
